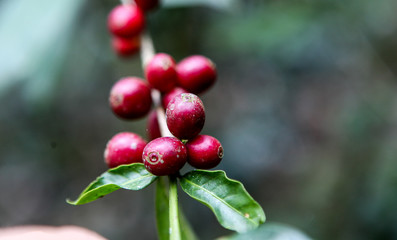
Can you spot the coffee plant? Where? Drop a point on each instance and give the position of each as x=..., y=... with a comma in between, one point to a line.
x=169, y=95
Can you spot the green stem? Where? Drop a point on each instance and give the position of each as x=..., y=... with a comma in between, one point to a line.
x=162, y=211
x=175, y=231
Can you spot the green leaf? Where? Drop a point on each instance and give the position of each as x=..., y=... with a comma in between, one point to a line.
x=270, y=231
x=131, y=177
x=234, y=208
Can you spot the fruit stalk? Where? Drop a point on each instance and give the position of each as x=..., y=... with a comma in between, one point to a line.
x=147, y=53
x=147, y=49
x=126, y=2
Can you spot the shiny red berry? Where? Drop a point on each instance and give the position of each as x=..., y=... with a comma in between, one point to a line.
x=126, y=20
x=160, y=72
x=147, y=5
x=185, y=116
x=125, y=47
x=196, y=73
x=204, y=152
x=124, y=148
x=170, y=95
x=130, y=98
x=153, y=128
x=164, y=156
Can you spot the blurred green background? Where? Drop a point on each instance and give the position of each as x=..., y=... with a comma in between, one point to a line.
x=305, y=107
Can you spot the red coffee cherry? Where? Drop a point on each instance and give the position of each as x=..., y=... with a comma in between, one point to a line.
x=170, y=95
x=147, y=5
x=153, y=128
x=161, y=73
x=130, y=98
x=126, y=21
x=124, y=148
x=185, y=116
x=204, y=152
x=125, y=47
x=196, y=73
x=164, y=156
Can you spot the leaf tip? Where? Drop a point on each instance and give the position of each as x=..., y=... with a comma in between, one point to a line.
x=74, y=203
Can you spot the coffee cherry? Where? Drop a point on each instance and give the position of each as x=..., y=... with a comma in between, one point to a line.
x=124, y=148
x=196, y=73
x=147, y=5
x=160, y=72
x=130, y=98
x=204, y=152
x=126, y=21
x=153, y=128
x=185, y=116
x=164, y=156
x=170, y=95
x=125, y=47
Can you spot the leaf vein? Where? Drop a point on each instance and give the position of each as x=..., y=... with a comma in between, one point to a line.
x=221, y=200
x=135, y=179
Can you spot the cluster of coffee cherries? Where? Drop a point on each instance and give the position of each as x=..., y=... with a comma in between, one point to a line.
x=126, y=23
x=130, y=98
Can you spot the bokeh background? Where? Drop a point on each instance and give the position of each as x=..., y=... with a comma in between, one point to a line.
x=305, y=107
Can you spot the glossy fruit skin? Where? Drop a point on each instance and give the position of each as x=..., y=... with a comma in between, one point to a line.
x=125, y=47
x=147, y=5
x=185, y=116
x=164, y=156
x=204, y=152
x=130, y=98
x=196, y=74
x=126, y=21
x=170, y=95
x=153, y=128
x=124, y=148
x=160, y=72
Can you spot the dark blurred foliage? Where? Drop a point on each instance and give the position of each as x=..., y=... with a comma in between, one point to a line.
x=305, y=106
